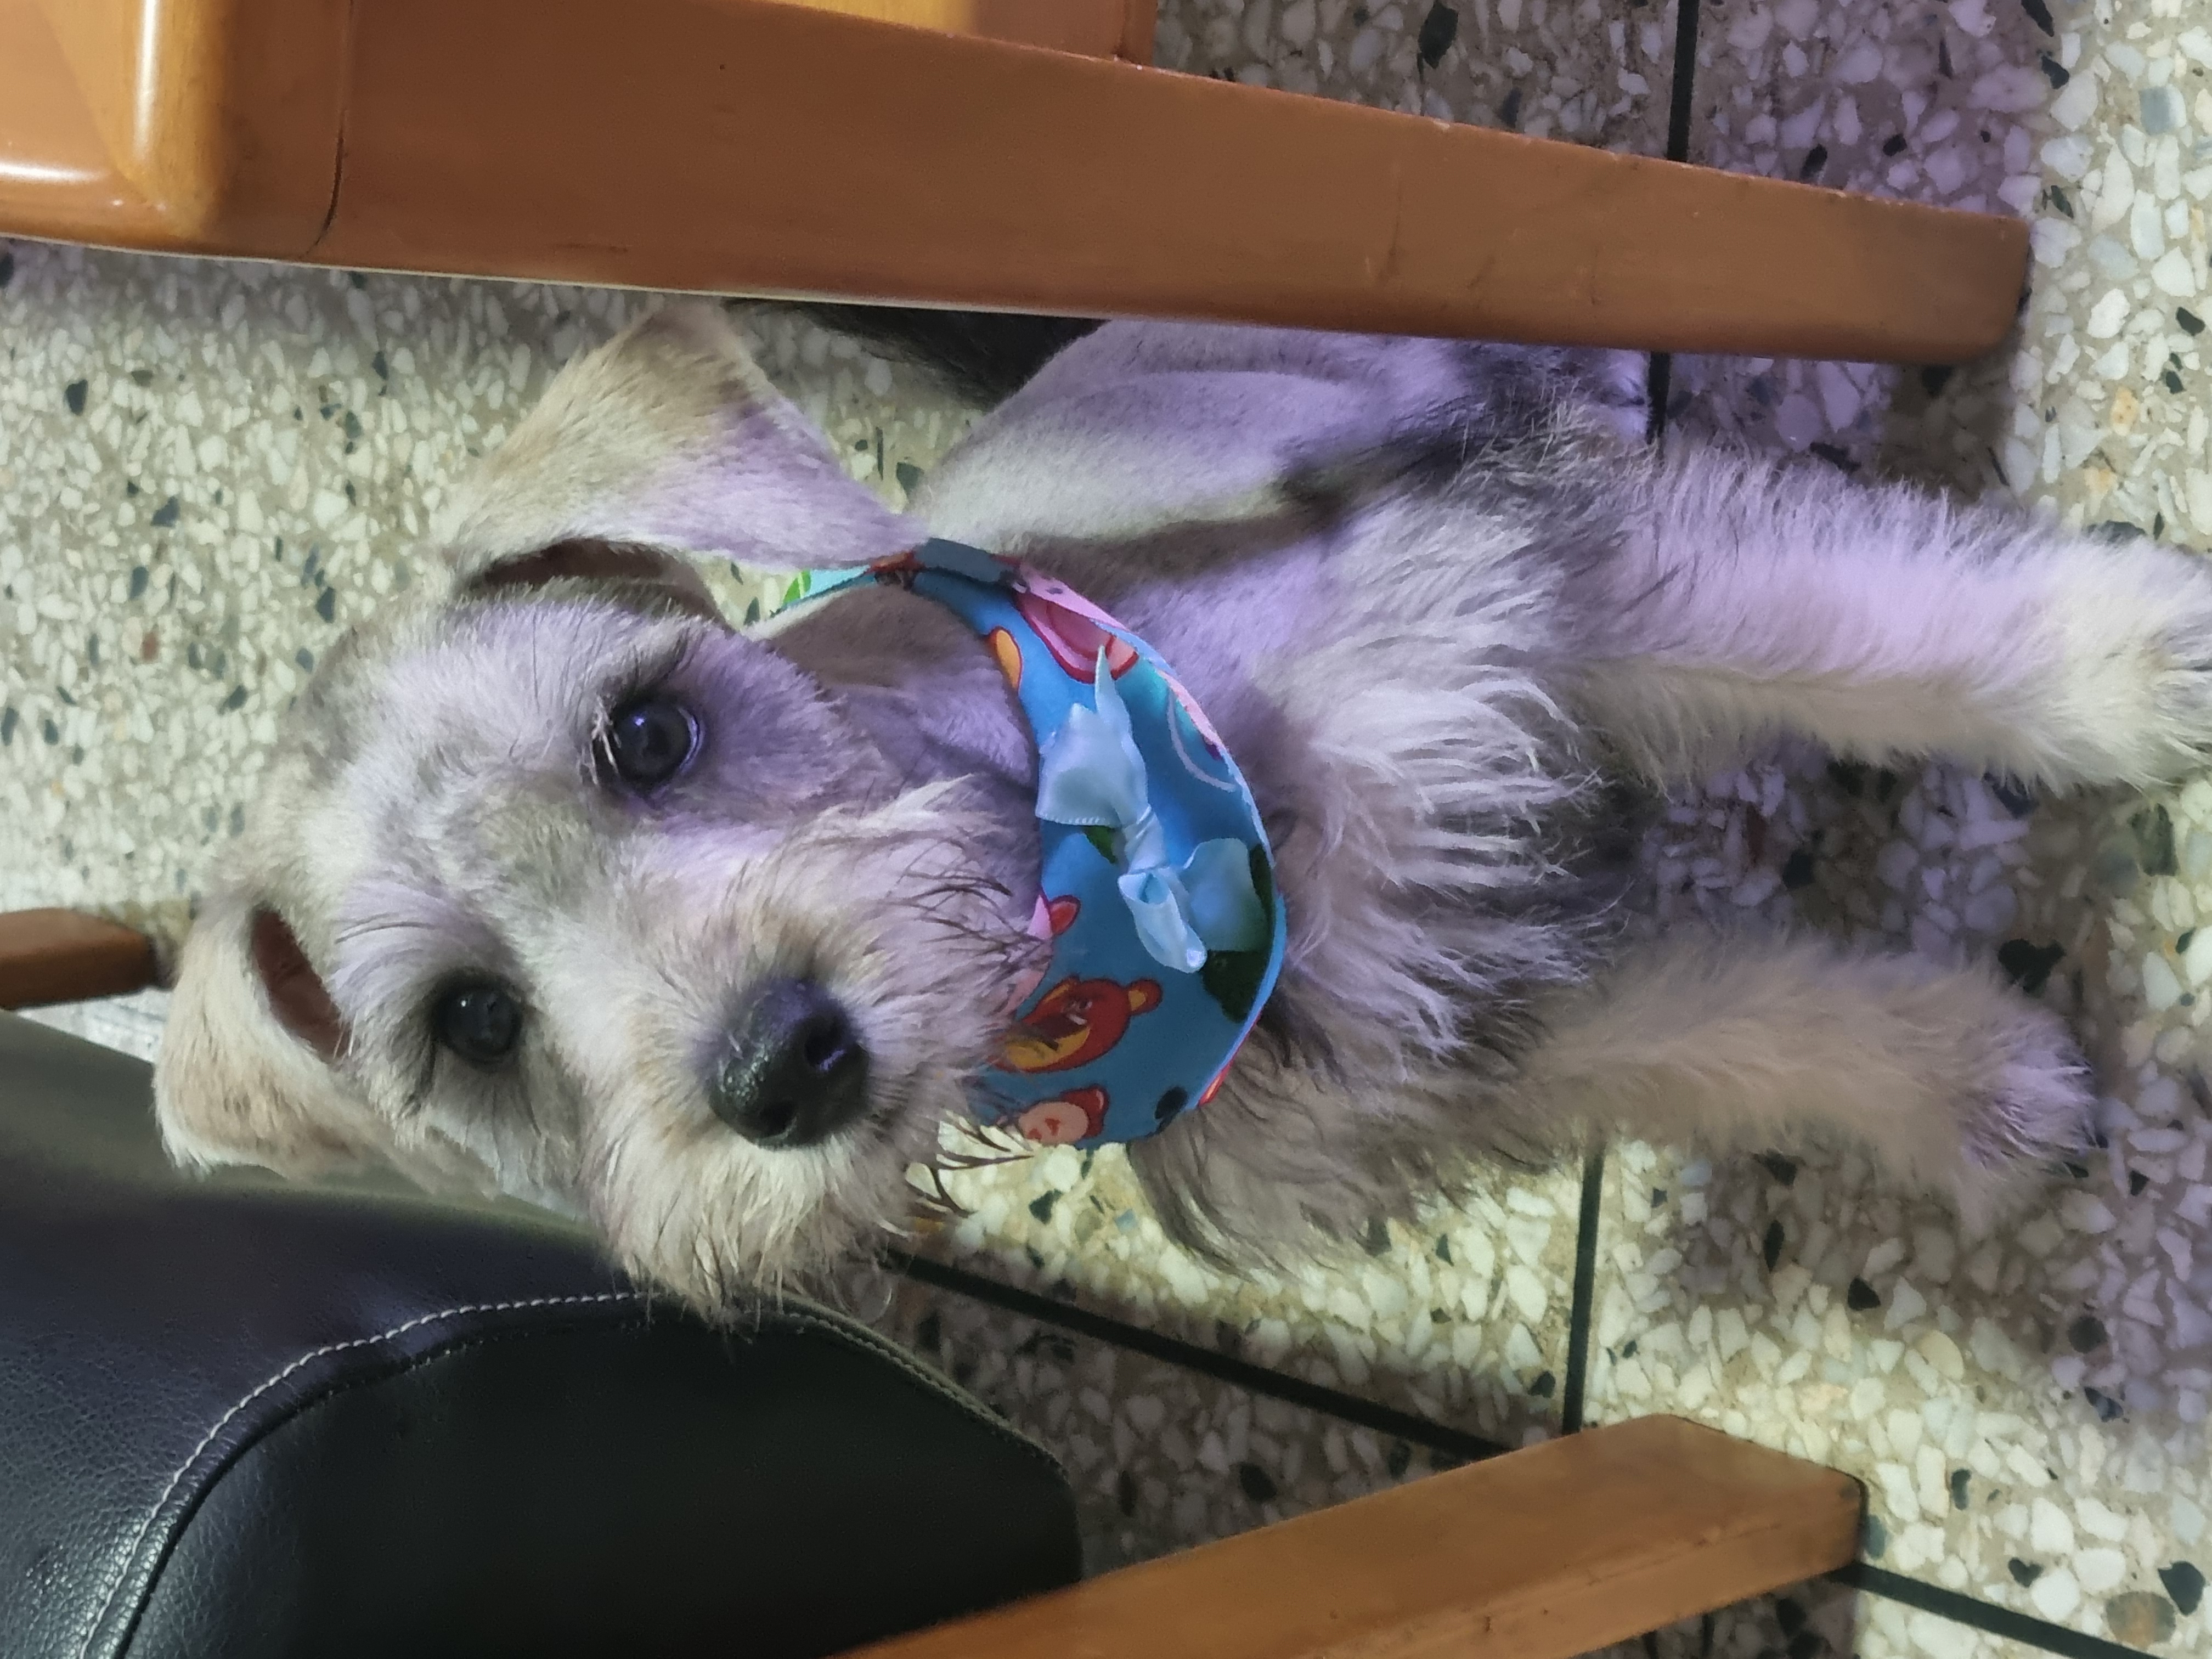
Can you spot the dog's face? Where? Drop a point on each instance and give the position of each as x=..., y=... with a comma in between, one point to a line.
x=559, y=885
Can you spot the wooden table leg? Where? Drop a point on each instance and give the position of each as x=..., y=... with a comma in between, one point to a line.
x=61, y=956
x=1542, y=1553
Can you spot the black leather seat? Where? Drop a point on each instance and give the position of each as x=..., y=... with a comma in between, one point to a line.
x=242, y=1420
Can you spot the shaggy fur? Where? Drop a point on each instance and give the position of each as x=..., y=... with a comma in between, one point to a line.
x=1447, y=611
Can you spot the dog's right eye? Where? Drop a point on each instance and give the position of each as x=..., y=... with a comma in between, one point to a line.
x=480, y=1021
x=648, y=741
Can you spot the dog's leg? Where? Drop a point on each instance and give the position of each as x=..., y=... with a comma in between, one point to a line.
x=1750, y=598
x=1956, y=1082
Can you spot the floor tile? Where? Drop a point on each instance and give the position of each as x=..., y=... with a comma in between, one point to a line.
x=1577, y=69
x=1161, y=1457
x=1461, y=1318
x=2027, y=1408
x=2094, y=121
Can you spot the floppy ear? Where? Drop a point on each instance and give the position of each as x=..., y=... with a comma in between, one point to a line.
x=246, y=1073
x=666, y=439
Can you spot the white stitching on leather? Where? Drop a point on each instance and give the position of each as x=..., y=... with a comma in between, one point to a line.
x=154, y=1514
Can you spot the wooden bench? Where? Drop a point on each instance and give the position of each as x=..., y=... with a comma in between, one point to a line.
x=739, y=146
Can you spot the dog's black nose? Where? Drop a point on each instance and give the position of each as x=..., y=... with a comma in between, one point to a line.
x=793, y=1072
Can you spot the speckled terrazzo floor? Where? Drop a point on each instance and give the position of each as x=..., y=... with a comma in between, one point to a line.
x=206, y=469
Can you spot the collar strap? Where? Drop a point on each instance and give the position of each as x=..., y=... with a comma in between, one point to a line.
x=1159, y=890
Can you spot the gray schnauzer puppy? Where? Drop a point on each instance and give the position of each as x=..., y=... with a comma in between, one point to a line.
x=543, y=839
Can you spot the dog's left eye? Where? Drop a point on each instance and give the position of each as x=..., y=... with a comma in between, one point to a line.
x=648, y=741
x=481, y=1023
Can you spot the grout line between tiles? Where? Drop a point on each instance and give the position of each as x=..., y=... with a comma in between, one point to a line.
x=1681, y=102
x=1985, y=1616
x=1682, y=105
x=1243, y=1373
x=1585, y=1289
x=1681, y=91
x=1658, y=379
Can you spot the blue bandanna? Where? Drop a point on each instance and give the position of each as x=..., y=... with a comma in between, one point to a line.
x=1158, y=892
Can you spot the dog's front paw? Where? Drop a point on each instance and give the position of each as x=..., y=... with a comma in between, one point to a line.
x=2033, y=1107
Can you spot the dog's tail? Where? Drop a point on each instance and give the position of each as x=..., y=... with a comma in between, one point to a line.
x=983, y=357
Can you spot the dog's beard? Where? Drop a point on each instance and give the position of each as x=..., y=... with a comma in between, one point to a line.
x=894, y=913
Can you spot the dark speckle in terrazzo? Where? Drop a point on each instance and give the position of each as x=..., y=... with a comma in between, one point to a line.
x=1861, y=1297
x=2185, y=1584
x=327, y=604
x=2015, y=799
x=73, y=395
x=2107, y=1409
x=166, y=514
x=2086, y=1335
x=2024, y=1573
x=2152, y=829
x=2028, y=965
x=1438, y=30
x=1770, y=1248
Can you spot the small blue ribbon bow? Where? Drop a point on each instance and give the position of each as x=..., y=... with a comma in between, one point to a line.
x=1090, y=775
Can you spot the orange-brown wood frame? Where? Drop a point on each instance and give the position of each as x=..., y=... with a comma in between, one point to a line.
x=60, y=956
x=1543, y=1553
x=741, y=145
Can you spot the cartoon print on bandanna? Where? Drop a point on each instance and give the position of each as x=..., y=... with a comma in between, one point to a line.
x=1166, y=931
x=1069, y=1118
x=1078, y=1021
x=1073, y=639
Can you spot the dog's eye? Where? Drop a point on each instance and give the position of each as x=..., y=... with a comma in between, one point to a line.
x=648, y=741
x=479, y=1022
